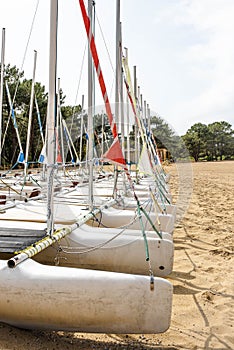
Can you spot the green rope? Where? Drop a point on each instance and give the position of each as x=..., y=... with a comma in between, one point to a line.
x=34, y=180
x=150, y=221
x=139, y=209
x=160, y=179
x=163, y=196
x=143, y=232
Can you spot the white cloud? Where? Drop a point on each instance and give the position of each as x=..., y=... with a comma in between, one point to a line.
x=183, y=50
x=207, y=58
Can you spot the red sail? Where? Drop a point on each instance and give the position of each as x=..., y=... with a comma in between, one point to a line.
x=114, y=154
x=115, y=147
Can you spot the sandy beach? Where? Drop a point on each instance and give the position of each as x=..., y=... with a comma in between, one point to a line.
x=203, y=277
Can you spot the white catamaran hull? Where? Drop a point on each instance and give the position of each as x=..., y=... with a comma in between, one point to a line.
x=36, y=296
x=113, y=217
x=67, y=214
x=102, y=249
x=130, y=204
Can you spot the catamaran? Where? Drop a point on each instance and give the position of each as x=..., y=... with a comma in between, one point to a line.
x=106, y=279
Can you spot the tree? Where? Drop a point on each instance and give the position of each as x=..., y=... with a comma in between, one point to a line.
x=20, y=92
x=165, y=137
x=213, y=142
x=10, y=150
x=220, y=142
x=162, y=132
x=195, y=140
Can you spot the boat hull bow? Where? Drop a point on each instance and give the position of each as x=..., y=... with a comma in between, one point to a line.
x=37, y=296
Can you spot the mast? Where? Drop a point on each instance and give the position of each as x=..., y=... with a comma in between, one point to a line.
x=81, y=126
x=90, y=112
x=121, y=91
x=128, y=120
x=102, y=135
x=114, y=153
x=117, y=63
x=60, y=126
x=117, y=85
x=145, y=114
x=142, y=118
x=121, y=99
x=51, y=114
x=57, y=118
x=1, y=89
x=148, y=117
x=136, y=127
x=30, y=115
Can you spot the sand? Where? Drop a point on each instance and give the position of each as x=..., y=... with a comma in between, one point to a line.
x=203, y=278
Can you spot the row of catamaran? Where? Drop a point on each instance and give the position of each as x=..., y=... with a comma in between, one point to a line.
x=88, y=250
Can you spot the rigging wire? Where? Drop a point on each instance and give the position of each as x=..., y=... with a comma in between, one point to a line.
x=71, y=250
x=26, y=49
x=108, y=53
x=105, y=42
x=21, y=68
x=78, y=87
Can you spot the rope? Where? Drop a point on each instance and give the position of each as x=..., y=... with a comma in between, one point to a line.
x=25, y=52
x=150, y=221
x=156, y=204
x=18, y=78
x=34, y=180
x=143, y=233
x=78, y=87
x=109, y=56
x=98, y=246
x=50, y=195
x=120, y=227
x=11, y=188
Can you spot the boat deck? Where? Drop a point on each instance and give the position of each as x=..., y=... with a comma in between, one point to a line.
x=15, y=239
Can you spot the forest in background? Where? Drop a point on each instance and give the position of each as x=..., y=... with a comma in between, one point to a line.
x=210, y=142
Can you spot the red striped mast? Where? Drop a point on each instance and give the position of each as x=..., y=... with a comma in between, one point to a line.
x=114, y=153
x=98, y=68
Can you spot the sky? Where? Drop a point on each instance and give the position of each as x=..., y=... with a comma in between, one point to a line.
x=183, y=51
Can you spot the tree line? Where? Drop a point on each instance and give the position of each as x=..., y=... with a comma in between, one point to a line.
x=214, y=141
x=210, y=142
x=18, y=97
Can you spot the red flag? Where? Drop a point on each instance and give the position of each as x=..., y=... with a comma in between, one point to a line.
x=59, y=158
x=115, y=154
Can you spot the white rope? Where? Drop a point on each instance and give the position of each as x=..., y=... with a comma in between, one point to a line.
x=98, y=246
